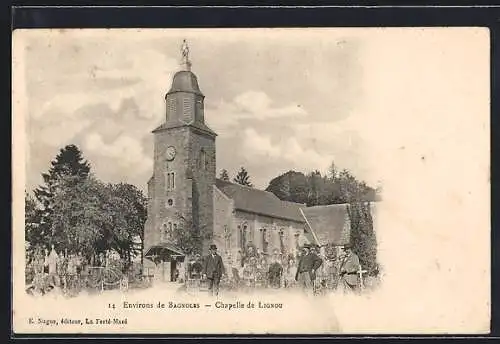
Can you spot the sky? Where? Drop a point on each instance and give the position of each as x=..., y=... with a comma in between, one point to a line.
x=279, y=100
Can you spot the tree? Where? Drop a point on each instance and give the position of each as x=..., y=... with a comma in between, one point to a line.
x=299, y=188
x=74, y=210
x=291, y=186
x=224, y=175
x=91, y=217
x=353, y=190
x=280, y=186
x=332, y=192
x=80, y=220
x=315, y=189
x=68, y=162
x=243, y=178
x=186, y=236
x=332, y=172
x=363, y=236
x=133, y=209
x=32, y=220
x=316, y=186
x=349, y=187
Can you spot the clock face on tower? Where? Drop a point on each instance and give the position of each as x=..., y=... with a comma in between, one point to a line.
x=170, y=153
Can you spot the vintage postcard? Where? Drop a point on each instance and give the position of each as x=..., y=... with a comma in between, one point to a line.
x=250, y=181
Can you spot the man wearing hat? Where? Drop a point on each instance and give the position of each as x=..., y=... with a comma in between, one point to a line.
x=213, y=269
x=306, y=271
x=349, y=268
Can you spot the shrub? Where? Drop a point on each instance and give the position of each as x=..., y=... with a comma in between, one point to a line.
x=363, y=238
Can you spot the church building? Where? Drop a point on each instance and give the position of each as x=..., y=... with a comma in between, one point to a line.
x=184, y=189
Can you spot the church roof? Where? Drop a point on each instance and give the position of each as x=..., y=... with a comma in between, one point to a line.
x=330, y=223
x=260, y=202
x=185, y=81
x=197, y=125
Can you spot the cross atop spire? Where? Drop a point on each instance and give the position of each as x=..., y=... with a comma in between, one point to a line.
x=185, y=62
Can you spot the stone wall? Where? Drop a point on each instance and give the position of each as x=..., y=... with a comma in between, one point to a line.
x=346, y=230
x=256, y=223
x=160, y=211
x=192, y=193
x=225, y=232
x=203, y=180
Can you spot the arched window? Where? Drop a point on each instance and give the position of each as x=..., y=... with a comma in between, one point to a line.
x=202, y=163
x=265, y=242
x=163, y=232
x=227, y=237
x=243, y=236
x=281, y=234
x=170, y=181
x=297, y=235
x=169, y=229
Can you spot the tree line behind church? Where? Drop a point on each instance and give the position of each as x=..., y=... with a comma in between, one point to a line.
x=76, y=211
x=335, y=187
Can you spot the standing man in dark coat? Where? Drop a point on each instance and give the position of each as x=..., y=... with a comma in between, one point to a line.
x=213, y=269
x=306, y=270
x=349, y=269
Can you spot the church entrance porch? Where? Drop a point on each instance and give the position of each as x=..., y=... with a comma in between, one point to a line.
x=168, y=260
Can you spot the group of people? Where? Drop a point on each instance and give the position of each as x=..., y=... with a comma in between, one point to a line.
x=47, y=270
x=317, y=274
x=69, y=271
x=310, y=271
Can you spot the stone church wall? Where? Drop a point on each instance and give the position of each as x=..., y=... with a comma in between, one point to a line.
x=203, y=173
x=256, y=223
x=180, y=195
x=225, y=234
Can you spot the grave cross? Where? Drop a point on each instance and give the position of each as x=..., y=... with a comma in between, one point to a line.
x=360, y=273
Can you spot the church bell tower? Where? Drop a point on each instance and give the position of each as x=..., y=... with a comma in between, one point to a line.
x=180, y=192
